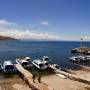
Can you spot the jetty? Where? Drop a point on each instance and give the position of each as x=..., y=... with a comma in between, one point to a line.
x=73, y=77
x=83, y=50
x=27, y=77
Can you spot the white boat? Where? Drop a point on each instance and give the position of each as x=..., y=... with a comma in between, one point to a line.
x=39, y=64
x=80, y=58
x=8, y=66
x=88, y=57
x=28, y=59
x=46, y=61
x=25, y=62
x=55, y=66
x=45, y=58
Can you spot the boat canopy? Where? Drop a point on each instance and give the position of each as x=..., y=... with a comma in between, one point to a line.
x=45, y=58
x=8, y=63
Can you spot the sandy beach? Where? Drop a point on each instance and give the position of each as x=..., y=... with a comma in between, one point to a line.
x=54, y=81
x=83, y=72
x=63, y=84
x=13, y=83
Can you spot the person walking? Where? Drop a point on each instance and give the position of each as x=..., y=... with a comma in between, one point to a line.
x=34, y=78
x=39, y=78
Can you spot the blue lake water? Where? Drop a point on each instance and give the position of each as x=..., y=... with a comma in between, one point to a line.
x=58, y=51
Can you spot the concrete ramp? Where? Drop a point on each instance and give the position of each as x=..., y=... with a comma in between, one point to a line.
x=73, y=77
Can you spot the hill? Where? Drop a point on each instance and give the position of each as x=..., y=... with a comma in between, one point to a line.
x=6, y=38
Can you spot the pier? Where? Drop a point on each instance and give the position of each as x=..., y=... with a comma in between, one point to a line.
x=83, y=50
x=27, y=76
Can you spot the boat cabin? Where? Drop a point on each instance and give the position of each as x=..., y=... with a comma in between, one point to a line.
x=45, y=58
x=28, y=59
x=8, y=66
x=39, y=64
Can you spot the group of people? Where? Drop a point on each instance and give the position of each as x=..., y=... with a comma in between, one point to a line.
x=39, y=78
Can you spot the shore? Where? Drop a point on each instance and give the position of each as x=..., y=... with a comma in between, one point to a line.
x=13, y=83
x=54, y=81
x=67, y=84
x=64, y=84
x=83, y=72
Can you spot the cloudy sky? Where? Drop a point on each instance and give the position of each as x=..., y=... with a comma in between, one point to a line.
x=45, y=19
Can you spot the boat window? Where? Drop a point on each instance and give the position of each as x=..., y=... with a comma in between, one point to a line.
x=24, y=64
x=9, y=67
x=35, y=63
x=46, y=63
x=28, y=60
x=46, y=59
x=41, y=65
x=57, y=67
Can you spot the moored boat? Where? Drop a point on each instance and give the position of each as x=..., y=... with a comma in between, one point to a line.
x=80, y=58
x=25, y=62
x=42, y=64
x=46, y=60
x=39, y=64
x=55, y=67
x=8, y=66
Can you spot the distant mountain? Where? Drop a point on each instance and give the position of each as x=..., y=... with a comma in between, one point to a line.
x=6, y=38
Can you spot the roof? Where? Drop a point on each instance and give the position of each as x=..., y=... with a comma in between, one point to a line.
x=8, y=63
x=27, y=57
x=45, y=57
x=38, y=61
x=23, y=60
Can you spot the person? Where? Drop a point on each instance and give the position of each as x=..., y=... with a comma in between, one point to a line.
x=39, y=79
x=34, y=78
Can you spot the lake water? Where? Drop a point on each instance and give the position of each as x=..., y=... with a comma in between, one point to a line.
x=58, y=51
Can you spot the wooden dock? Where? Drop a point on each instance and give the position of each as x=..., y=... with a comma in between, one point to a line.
x=28, y=79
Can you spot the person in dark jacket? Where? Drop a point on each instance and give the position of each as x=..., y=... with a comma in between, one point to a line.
x=39, y=78
x=34, y=78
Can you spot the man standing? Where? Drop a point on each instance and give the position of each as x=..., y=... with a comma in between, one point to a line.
x=34, y=78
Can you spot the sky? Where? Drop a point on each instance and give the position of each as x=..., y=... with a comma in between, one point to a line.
x=45, y=19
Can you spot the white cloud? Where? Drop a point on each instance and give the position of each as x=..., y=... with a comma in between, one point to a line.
x=20, y=32
x=30, y=35
x=5, y=22
x=45, y=23
x=7, y=29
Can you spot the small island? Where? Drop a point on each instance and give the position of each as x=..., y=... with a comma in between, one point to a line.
x=6, y=38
